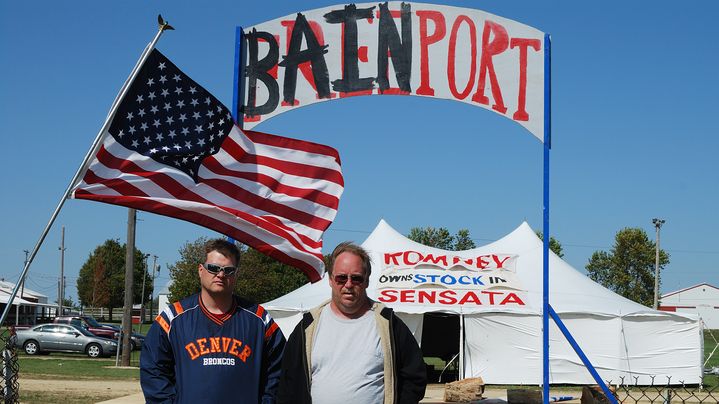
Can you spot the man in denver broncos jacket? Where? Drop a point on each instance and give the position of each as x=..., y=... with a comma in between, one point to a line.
x=213, y=347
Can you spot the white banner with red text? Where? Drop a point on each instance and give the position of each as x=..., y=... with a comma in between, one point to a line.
x=448, y=281
x=395, y=48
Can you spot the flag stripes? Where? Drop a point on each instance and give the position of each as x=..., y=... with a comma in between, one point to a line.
x=172, y=149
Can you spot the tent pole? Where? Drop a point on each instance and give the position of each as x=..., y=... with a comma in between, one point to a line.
x=461, y=347
x=238, y=93
x=545, y=231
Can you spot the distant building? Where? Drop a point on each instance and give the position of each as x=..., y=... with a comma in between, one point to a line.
x=30, y=307
x=701, y=299
x=163, y=297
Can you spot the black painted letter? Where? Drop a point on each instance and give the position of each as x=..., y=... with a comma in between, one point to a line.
x=258, y=69
x=350, y=81
x=314, y=53
x=401, y=51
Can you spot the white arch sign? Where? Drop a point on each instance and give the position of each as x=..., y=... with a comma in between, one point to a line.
x=393, y=48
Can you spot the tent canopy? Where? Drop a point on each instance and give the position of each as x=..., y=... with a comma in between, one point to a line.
x=495, y=291
x=570, y=290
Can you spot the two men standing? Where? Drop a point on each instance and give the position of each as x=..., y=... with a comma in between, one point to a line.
x=217, y=347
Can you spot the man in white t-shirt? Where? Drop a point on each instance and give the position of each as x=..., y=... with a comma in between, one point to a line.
x=351, y=349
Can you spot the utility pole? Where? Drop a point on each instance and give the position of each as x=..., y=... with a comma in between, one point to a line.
x=22, y=283
x=657, y=225
x=142, y=296
x=22, y=290
x=129, y=268
x=152, y=289
x=61, y=284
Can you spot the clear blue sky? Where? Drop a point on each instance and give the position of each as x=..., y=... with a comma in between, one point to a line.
x=635, y=134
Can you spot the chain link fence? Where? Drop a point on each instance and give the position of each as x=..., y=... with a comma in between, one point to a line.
x=629, y=391
x=9, y=383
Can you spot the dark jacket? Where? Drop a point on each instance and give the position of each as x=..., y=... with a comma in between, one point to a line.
x=190, y=356
x=405, y=376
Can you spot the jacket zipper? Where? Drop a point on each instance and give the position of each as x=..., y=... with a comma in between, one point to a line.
x=304, y=361
x=394, y=359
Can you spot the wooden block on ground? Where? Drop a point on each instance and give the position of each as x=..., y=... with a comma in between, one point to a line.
x=594, y=395
x=516, y=396
x=466, y=390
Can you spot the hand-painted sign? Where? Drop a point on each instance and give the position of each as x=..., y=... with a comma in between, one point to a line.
x=395, y=48
x=441, y=279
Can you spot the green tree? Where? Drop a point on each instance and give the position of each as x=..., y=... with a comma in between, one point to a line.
x=441, y=238
x=100, y=295
x=628, y=268
x=183, y=273
x=262, y=278
x=462, y=241
x=259, y=279
x=554, y=245
x=108, y=259
x=67, y=304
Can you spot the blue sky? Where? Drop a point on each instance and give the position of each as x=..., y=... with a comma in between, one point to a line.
x=634, y=131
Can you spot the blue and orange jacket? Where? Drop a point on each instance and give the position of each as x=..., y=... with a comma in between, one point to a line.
x=191, y=356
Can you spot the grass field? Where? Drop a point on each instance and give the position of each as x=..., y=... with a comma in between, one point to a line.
x=73, y=369
x=44, y=397
x=710, y=342
x=59, y=366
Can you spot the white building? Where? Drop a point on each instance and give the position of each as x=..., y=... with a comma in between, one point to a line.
x=30, y=306
x=701, y=299
x=163, y=297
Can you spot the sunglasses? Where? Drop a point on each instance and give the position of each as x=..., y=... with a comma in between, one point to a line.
x=215, y=269
x=341, y=279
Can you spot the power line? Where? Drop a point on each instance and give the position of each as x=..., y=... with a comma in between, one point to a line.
x=602, y=247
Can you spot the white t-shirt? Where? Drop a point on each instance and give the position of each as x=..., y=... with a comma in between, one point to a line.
x=347, y=360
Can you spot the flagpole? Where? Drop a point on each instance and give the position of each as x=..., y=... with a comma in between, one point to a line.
x=163, y=25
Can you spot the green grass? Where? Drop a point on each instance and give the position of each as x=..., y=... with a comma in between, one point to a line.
x=711, y=381
x=74, y=367
x=43, y=397
x=709, y=345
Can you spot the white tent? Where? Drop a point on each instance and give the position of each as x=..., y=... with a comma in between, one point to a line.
x=496, y=292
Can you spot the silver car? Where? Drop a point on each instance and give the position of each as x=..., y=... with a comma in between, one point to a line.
x=64, y=338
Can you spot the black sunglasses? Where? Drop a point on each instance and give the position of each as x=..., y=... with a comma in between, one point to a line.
x=341, y=279
x=215, y=269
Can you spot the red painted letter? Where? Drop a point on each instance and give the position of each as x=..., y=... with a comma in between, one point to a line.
x=424, y=41
x=451, y=56
x=388, y=296
x=489, y=49
x=512, y=298
x=523, y=43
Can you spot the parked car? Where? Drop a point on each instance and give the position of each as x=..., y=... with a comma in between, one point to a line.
x=101, y=330
x=136, y=339
x=64, y=338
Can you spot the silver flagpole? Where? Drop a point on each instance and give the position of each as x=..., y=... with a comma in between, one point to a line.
x=163, y=25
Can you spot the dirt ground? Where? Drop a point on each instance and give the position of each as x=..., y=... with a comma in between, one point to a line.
x=119, y=387
x=75, y=391
x=91, y=391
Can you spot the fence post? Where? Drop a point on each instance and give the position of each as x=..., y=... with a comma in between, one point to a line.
x=9, y=367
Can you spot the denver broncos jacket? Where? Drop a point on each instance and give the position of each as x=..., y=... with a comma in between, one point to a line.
x=191, y=356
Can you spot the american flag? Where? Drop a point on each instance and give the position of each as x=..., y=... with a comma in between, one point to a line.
x=173, y=149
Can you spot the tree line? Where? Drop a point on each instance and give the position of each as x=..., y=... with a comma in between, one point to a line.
x=627, y=268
